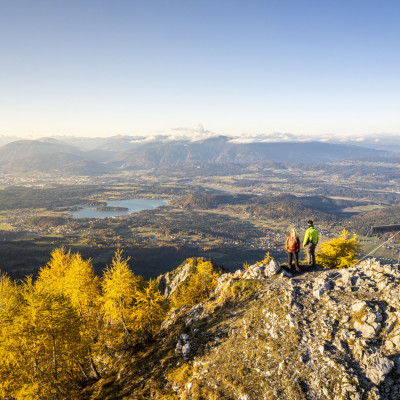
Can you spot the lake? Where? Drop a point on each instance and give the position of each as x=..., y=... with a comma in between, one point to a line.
x=132, y=205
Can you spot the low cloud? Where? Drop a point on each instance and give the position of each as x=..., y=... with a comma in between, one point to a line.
x=271, y=137
x=184, y=133
x=199, y=133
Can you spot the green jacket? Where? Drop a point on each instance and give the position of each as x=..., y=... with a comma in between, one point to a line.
x=311, y=236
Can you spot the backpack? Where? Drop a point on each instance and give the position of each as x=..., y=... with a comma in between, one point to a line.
x=313, y=236
x=292, y=244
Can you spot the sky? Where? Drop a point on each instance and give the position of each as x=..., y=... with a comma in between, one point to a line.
x=252, y=67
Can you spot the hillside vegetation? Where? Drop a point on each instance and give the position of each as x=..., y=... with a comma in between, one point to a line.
x=384, y=216
x=67, y=327
x=200, y=332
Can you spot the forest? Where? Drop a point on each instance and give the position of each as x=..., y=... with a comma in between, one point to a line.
x=67, y=327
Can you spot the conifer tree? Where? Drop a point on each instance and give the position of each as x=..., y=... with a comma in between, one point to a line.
x=42, y=347
x=9, y=299
x=339, y=252
x=69, y=275
x=53, y=274
x=119, y=285
x=10, y=302
x=149, y=310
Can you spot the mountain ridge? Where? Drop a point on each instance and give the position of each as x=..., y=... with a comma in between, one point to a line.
x=126, y=153
x=323, y=334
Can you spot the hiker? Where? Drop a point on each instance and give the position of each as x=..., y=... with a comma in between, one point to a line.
x=293, y=247
x=310, y=242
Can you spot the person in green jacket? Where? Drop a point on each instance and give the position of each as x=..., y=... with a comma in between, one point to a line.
x=310, y=242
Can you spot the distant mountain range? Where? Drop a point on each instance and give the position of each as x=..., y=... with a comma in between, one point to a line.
x=47, y=155
x=88, y=156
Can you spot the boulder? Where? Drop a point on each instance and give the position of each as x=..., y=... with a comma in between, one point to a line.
x=272, y=269
x=376, y=367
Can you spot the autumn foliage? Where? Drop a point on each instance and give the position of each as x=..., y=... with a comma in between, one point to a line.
x=340, y=252
x=64, y=327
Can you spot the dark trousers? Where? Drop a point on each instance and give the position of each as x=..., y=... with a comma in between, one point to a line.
x=311, y=254
x=295, y=255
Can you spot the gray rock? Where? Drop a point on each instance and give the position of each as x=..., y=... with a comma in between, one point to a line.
x=225, y=280
x=358, y=306
x=186, y=350
x=367, y=331
x=272, y=269
x=168, y=282
x=178, y=347
x=292, y=321
x=286, y=273
x=351, y=336
x=376, y=367
x=254, y=271
x=318, y=292
x=395, y=339
x=322, y=286
x=184, y=337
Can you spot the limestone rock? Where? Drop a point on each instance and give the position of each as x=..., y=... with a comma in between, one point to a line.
x=254, y=272
x=186, y=350
x=168, y=282
x=367, y=331
x=376, y=367
x=272, y=269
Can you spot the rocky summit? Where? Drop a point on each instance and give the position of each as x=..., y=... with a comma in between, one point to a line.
x=267, y=334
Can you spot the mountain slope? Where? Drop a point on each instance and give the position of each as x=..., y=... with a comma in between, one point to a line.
x=55, y=163
x=31, y=148
x=222, y=150
x=384, y=216
x=47, y=155
x=324, y=334
x=133, y=153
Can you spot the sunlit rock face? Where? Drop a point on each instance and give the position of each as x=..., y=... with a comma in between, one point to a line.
x=334, y=334
x=263, y=333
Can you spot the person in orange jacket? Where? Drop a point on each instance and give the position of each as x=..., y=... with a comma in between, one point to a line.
x=293, y=247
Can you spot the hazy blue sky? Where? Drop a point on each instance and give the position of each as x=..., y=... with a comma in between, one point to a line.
x=100, y=68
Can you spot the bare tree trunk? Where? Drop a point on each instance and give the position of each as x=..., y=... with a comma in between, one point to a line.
x=35, y=363
x=55, y=365
x=83, y=371
x=94, y=369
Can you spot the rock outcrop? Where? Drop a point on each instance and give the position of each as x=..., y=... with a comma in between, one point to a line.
x=265, y=334
x=169, y=282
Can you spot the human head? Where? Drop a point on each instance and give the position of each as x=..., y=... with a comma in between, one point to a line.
x=293, y=233
x=310, y=222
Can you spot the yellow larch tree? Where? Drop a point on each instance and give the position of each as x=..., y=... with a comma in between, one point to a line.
x=42, y=345
x=149, y=310
x=340, y=252
x=69, y=275
x=53, y=274
x=10, y=304
x=119, y=286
